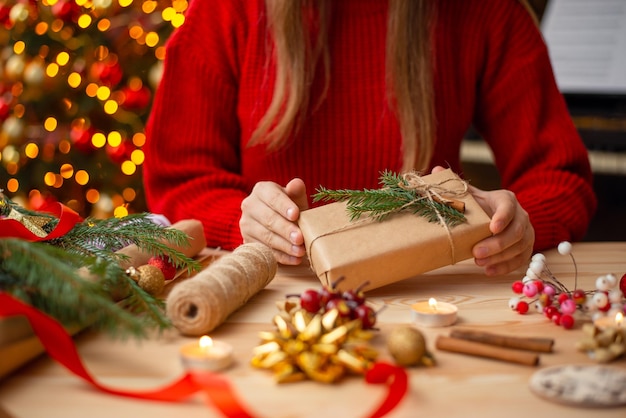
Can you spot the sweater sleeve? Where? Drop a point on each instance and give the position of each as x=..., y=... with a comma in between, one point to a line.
x=524, y=118
x=192, y=164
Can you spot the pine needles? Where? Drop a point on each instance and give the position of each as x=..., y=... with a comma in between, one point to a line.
x=394, y=196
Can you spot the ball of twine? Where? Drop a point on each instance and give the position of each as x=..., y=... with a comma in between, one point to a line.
x=202, y=303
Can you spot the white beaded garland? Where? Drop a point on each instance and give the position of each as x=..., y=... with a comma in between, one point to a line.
x=602, y=283
x=513, y=302
x=565, y=248
x=612, y=280
x=615, y=296
x=537, y=267
x=531, y=274
x=590, y=305
x=539, y=257
x=600, y=299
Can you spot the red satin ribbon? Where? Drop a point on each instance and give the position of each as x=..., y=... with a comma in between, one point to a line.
x=67, y=219
x=60, y=346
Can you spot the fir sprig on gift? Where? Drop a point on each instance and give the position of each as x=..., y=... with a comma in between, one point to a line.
x=79, y=278
x=395, y=195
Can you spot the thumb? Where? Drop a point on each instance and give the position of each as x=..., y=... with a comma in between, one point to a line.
x=296, y=190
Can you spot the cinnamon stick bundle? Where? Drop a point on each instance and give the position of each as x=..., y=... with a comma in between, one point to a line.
x=473, y=348
x=542, y=345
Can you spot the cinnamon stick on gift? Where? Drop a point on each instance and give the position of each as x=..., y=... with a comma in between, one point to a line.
x=458, y=345
x=542, y=345
x=458, y=205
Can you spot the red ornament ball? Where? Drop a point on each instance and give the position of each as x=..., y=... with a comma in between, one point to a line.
x=5, y=109
x=622, y=285
x=136, y=99
x=168, y=269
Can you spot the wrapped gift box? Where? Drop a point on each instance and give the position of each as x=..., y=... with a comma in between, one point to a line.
x=382, y=252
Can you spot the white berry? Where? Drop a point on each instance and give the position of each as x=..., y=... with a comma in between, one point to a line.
x=565, y=248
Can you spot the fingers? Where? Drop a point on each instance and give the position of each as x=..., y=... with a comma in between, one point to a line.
x=296, y=190
x=269, y=215
x=513, y=238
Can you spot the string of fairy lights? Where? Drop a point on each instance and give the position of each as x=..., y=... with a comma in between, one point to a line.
x=76, y=83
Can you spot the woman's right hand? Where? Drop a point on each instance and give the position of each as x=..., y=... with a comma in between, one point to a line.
x=269, y=215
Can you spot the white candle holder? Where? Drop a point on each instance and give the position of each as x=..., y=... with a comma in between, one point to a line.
x=207, y=354
x=433, y=313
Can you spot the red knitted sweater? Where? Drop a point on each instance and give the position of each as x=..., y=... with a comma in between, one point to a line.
x=492, y=71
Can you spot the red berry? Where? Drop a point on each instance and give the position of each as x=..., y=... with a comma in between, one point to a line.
x=622, y=284
x=165, y=265
x=579, y=296
x=366, y=315
x=562, y=297
x=310, y=300
x=567, y=321
x=522, y=307
x=556, y=318
x=517, y=287
x=549, y=311
x=539, y=285
x=341, y=306
x=330, y=292
x=355, y=295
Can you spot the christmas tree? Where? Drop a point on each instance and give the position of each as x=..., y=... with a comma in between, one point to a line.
x=76, y=84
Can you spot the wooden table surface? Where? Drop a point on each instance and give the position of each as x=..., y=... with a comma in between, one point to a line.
x=459, y=386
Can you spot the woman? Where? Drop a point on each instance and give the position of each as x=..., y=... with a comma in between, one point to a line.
x=259, y=99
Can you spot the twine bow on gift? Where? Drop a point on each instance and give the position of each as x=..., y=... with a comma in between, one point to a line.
x=434, y=192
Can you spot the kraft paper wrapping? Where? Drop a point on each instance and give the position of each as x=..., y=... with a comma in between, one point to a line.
x=401, y=246
x=19, y=345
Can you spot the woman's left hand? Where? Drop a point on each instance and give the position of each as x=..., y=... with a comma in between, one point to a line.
x=511, y=245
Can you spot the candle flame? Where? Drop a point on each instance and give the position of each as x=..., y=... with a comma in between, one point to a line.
x=619, y=318
x=432, y=302
x=205, y=342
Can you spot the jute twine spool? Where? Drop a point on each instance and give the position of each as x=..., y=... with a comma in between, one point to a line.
x=200, y=304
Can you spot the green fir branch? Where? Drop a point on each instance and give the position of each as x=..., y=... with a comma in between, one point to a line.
x=390, y=198
x=102, y=237
x=61, y=284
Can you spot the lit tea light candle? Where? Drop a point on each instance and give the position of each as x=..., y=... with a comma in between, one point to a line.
x=433, y=313
x=207, y=354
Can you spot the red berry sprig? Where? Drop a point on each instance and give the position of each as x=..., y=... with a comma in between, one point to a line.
x=350, y=304
x=541, y=288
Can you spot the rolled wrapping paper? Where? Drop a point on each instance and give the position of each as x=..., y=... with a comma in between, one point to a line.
x=197, y=242
x=200, y=304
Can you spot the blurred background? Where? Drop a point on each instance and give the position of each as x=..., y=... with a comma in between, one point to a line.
x=77, y=79
x=587, y=45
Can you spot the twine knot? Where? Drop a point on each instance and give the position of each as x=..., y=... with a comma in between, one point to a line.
x=437, y=192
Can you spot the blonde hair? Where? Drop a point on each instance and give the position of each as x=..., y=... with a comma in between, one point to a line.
x=409, y=71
